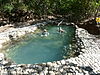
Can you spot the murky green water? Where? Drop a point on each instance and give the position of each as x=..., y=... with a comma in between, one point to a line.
x=37, y=49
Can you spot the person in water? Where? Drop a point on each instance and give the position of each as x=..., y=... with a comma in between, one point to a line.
x=60, y=30
x=45, y=33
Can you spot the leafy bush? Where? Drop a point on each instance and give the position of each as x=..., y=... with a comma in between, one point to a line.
x=8, y=7
x=78, y=8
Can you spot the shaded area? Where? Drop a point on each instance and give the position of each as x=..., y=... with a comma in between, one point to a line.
x=90, y=26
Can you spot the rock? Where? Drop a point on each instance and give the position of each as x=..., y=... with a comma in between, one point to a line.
x=1, y=46
x=4, y=62
x=49, y=63
x=45, y=72
x=1, y=56
x=4, y=72
x=69, y=73
x=58, y=62
x=76, y=53
x=51, y=73
x=61, y=70
x=13, y=72
x=63, y=61
x=41, y=73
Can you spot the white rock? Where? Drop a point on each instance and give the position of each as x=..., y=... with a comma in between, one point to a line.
x=49, y=63
x=51, y=73
x=1, y=46
x=45, y=72
x=1, y=56
x=61, y=70
x=13, y=72
x=63, y=61
x=58, y=62
x=4, y=62
x=41, y=73
x=2, y=41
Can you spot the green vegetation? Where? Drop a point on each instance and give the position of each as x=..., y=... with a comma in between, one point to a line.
x=76, y=9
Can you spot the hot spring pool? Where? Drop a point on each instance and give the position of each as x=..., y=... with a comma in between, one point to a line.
x=37, y=49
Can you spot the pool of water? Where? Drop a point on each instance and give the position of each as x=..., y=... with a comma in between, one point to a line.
x=37, y=49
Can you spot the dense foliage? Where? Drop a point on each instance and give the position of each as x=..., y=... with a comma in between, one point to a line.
x=77, y=8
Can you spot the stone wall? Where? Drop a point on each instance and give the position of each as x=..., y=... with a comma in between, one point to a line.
x=87, y=63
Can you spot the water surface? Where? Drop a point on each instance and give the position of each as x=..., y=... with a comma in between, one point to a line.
x=37, y=49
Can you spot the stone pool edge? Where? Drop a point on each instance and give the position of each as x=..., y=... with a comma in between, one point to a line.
x=16, y=33
x=87, y=63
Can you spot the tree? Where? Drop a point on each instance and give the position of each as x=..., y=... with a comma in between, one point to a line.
x=79, y=9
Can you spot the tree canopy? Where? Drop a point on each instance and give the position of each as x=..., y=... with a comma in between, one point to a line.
x=77, y=8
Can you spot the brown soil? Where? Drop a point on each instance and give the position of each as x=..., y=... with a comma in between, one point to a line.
x=90, y=26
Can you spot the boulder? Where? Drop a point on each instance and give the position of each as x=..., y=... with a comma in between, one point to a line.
x=0, y=46
x=1, y=56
